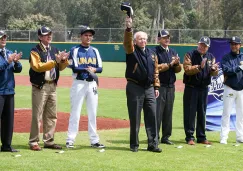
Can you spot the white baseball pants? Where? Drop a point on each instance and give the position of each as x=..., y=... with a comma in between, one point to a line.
x=230, y=97
x=81, y=90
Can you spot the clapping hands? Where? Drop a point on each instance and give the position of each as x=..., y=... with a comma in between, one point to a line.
x=62, y=56
x=215, y=66
x=14, y=57
x=203, y=63
x=175, y=61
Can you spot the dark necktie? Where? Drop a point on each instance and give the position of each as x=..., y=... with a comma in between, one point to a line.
x=3, y=54
x=52, y=71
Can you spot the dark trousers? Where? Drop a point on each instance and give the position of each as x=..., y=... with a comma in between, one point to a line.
x=164, y=110
x=195, y=102
x=139, y=98
x=7, y=119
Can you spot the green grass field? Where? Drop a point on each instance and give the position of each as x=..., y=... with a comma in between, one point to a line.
x=110, y=69
x=117, y=155
x=112, y=103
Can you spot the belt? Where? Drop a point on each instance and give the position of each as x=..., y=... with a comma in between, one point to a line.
x=142, y=85
x=233, y=88
x=193, y=86
x=167, y=85
x=88, y=79
x=49, y=82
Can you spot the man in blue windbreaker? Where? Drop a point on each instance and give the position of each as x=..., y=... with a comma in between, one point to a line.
x=9, y=64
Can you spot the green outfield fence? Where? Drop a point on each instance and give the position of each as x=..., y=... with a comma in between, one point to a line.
x=110, y=52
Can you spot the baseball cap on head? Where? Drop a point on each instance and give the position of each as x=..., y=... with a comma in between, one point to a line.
x=235, y=39
x=163, y=33
x=205, y=40
x=44, y=31
x=86, y=29
x=2, y=34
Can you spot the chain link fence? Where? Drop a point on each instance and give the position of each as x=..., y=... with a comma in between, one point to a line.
x=115, y=35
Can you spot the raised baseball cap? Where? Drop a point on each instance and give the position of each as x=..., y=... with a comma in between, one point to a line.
x=235, y=39
x=126, y=7
x=86, y=29
x=2, y=34
x=44, y=31
x=205, y=40
x=163, y=33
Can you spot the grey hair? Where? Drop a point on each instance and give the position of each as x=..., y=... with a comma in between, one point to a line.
x=139, y=33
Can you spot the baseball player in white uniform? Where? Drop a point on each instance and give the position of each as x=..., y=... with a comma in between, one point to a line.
x=85, y=61
x=232, y=66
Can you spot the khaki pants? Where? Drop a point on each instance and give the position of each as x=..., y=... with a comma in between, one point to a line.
x=43, y=108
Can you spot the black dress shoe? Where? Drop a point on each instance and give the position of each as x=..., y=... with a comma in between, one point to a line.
x=9, y=149
x=134, y=149
x=167, y=142
x=154, y=149
x=53, y=146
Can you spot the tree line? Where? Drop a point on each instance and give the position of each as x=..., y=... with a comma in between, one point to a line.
x=148, y=15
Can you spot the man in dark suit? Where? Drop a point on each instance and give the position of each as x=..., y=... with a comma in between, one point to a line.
x=168, y=65
x=9, y=64
x=142, y=87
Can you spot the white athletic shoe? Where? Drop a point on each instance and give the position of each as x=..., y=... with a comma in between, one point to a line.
x=69, y=145
x=223, y=141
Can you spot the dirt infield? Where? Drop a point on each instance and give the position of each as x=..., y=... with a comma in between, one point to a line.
x=106, y=83
x=23, y=117
x=22, y=122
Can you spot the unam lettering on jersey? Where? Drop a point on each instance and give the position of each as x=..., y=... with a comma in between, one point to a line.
x=88, y=60
x=84, y=60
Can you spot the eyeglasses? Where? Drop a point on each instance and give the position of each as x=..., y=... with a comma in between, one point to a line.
x=3, y=37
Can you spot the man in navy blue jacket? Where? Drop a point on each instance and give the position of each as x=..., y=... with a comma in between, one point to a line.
x=142, y=87
x=168, y=65
x=199, y=65
x=9, y=64
x=232, y=66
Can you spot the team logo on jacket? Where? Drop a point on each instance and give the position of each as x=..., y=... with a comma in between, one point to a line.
x=216, y=88
x=209, y=62
x=153, y=57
